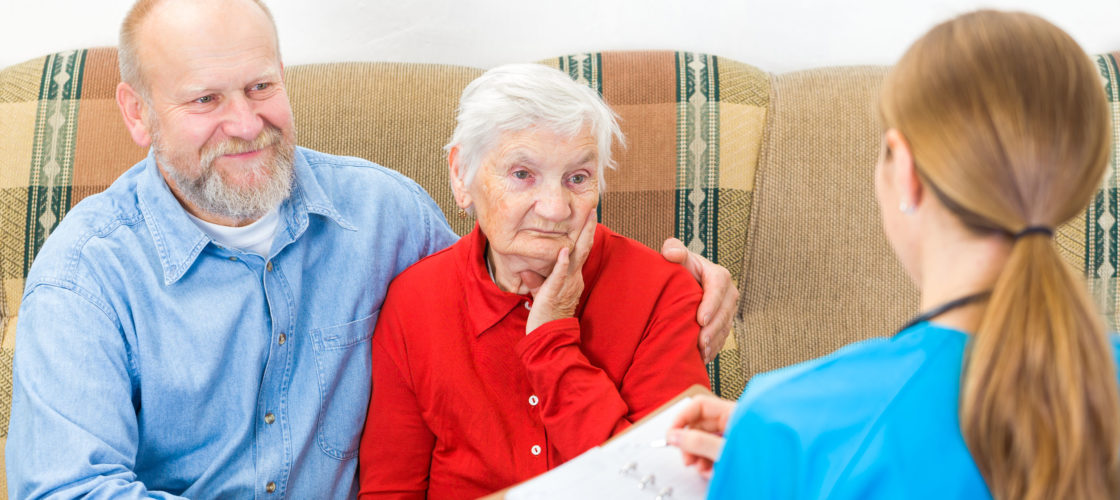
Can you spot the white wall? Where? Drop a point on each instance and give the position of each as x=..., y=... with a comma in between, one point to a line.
x=774, y=35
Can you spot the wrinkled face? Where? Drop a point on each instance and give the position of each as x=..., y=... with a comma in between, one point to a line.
x=219, y=115
x=533, y=192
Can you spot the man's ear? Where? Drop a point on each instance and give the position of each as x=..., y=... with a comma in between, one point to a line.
x=454, y=167
x=134, y=111
x=903, y=173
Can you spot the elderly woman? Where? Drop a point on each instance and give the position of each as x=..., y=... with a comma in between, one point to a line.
x=996, y=132
x=541, y=333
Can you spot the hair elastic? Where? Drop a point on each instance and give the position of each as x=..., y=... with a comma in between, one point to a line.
x=1032, y=230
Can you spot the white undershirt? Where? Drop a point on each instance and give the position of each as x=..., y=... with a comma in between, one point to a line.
x=254, y=238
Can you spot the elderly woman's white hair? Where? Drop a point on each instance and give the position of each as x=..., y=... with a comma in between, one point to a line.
x=516, y=97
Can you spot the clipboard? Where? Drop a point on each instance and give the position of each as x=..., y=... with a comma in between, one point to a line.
x=614, y=449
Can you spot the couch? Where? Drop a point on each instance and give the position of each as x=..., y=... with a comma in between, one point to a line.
x=768, y=174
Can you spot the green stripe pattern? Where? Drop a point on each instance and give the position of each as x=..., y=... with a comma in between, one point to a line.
x=1101, y=260
x=56, y=130
x=697, y=193
x=586, y=68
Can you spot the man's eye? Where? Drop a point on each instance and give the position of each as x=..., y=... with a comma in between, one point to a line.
x=577, y=179
x=261, y=86
x=205, y=99
x=521, y=174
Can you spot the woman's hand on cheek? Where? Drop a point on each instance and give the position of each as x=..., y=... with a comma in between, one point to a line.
x=558, y=296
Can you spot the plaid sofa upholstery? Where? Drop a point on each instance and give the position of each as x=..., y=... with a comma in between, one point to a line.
x=768, y=175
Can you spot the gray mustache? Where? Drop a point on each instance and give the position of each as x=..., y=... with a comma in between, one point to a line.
x=270, y=136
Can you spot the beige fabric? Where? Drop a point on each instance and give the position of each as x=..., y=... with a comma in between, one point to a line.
x=819, y=272
x=3, y=470
x=21, y=81
x=397, y=115
x=19, y=90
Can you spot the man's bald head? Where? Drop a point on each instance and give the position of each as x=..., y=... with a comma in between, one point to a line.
x=131, y=64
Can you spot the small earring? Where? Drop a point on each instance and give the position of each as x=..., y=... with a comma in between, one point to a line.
x=462, y=213
x=906, y=208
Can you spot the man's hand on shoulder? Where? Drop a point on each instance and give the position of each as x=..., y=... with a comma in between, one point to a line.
x=718, y=304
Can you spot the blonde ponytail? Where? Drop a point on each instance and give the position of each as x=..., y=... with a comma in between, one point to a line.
x=1007, y=120
x=1039, y=398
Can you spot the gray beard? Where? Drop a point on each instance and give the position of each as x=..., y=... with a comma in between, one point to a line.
x=210, y=194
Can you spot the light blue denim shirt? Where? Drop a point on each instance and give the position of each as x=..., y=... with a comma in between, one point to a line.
x=150, y=362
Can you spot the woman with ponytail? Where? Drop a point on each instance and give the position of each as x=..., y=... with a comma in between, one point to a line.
x=996, y=131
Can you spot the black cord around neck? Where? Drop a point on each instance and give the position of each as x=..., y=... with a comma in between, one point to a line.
x=944, y=308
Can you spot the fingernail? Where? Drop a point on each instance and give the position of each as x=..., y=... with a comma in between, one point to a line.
x=672, y=438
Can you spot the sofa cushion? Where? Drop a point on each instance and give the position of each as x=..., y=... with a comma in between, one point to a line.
x=395, y=114
x=694, y=125
x=1091, y=242
x=819, y=272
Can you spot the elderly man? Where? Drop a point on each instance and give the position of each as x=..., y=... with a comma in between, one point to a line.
x=201, y=328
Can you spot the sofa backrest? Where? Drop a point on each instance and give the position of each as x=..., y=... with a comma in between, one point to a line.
x=769, y=175
x=820, y=273
x=694, y=125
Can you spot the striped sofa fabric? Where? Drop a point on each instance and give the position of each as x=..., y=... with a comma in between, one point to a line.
x=768, y=175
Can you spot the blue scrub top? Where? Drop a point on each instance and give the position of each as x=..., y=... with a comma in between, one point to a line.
x=876, y=419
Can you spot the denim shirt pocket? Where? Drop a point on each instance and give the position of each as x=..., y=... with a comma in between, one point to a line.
x=343, y=360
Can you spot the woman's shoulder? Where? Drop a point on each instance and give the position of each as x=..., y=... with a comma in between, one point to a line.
x=859, y=382
x=879, y=411
x=624, y=254
x=1114, y=341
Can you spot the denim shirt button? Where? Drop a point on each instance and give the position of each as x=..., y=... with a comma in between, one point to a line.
x=270, y=487
x=269, y=418
x=283, y=338
x=268, y=266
